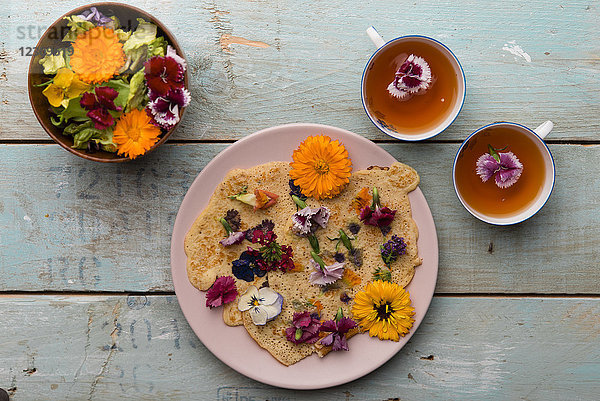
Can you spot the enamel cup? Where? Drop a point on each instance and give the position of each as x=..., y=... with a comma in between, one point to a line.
x=450, y=115
x=537, y=135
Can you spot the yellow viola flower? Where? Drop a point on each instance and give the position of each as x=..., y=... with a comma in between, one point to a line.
x=66, y=86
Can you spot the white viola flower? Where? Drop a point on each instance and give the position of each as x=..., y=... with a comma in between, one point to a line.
x=263, y=305
x=414, y=75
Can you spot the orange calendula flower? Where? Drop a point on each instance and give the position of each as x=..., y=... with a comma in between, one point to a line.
x=321, y=167
x=384, y=309
x=362, y=200
x=135, y=134
x=97, y=55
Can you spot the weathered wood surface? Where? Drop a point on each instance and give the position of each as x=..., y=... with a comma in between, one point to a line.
x=67, y=224
x=70, y=225
x=301, y=61
x=108, y=348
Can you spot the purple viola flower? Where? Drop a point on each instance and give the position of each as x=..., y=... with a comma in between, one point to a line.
x=304, y=329
x=322, y=274
x=414, y=75
x=307, y=220
x=95, y=16
x=337, y=330
x=506, y=168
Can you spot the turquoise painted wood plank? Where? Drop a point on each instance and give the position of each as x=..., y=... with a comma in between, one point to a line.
x=524, y=61
x=68, y=224
x=141, y=348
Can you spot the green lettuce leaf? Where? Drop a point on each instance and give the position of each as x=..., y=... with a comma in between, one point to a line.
x=106, y=141
x=135, y=59
x=157, y=47
x=73, y=111
x=83, y=133
x=137, y=90
x=143, y=35
x=122, y=35
x=77, y=26
x=122, y=87
x=52, y=63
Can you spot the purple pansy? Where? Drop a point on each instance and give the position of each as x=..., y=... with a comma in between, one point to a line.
x=507, y=168
x=414, y=75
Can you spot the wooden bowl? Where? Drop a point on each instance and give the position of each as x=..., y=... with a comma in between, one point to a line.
x=52, y=39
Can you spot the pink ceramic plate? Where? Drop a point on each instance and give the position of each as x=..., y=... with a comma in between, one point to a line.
x=233, y=345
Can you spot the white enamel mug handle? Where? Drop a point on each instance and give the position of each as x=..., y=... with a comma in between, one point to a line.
x=375, y=37
x=544, y=129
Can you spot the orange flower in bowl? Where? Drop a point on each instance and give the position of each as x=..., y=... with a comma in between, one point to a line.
x=321, y=167
x=135, y=134
x=97, y=55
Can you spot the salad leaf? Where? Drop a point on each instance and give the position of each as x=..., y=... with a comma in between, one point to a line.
x=143, y=35
x=135, y=58
x=121, y=86
x=77, y=26
x=52, y=63
x=122, y=35
x=137, y=90
x=157, y=47
x=106, y=141
x=73, y=111
x=83, y=133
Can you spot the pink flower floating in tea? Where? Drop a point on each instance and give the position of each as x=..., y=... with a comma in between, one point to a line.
x=506, y=167
x=414, y=75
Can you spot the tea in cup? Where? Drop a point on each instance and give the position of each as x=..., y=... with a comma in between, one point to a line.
x=413, y=87
x=504, y=172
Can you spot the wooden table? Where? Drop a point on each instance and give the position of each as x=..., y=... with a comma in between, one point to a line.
x=87, y=308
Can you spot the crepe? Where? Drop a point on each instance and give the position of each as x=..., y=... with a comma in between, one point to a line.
x=207, y=258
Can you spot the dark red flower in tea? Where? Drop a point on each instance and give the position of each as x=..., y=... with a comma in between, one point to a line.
x=414, y=75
